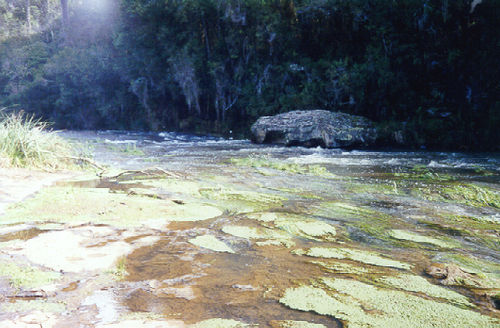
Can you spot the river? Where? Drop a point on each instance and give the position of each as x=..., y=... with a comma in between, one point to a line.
x=226, y=233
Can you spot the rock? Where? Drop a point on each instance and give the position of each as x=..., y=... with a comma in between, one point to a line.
x=452, y=275
x=314, y=128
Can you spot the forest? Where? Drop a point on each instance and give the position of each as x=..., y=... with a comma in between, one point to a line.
x=427, y=69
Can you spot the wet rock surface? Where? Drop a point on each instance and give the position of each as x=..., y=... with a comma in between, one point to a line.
x=193, y=232
x=313, y=128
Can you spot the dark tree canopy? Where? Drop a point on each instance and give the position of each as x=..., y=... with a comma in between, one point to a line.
x=427, y=70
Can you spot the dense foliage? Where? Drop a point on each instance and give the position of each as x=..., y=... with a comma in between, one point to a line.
x=425, y=70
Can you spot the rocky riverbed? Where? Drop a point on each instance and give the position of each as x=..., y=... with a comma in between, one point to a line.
x=185, y=231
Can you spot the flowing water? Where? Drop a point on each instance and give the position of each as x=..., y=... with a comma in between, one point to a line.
x=246, y=226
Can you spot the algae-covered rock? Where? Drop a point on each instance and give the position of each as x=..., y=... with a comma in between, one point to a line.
x=419, y=284
x=33, y=305
x=220, y=323
x=100, y=205
x=353, y=254
x=453, y=275
x=411, y=236
x=361, y=305
x=27, y=277
x=295, y=324
x=344, y=268
x=212, y=243
x=273, y=236
x=312, y=229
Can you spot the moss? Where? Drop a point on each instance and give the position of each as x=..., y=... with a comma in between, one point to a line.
x=487, y=271
x=343, y=210
x=411, y=236
x=293, y=168
x=373, y=188
x=273, y=237
x=241, y=201
x=27, y=277
x=362, y=305
x=242, y=195
x=212, y=243
x=34, y=305
x=120, y=270
x=463, y=193
x=344, y=268
x=176, y=186
x=353, y=254
x=312, y=229
x=219, y=323
x=419, y=284
x=100, y=205
x=295, y=324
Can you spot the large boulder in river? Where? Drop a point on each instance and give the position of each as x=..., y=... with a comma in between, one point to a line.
x=313, y=128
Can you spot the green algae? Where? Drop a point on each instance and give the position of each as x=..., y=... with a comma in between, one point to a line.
x=485, y=272
x=27, y=277
x=101, y=205
x=220, y=323
x=362, y=305
x=119, y=272
x=353, y=254
x=463, y=193
x=221, y=193
x=343, y=210
x=419, y=284
x=293, y=168
x=343, y=268
x=212, y=243
x=273, y=237
x=33, y=305
x=241, y=201
x=295, y=324
x=411, y=236
x=297, y=225
x=312, y=229
x=373, y=188
x=176, y=186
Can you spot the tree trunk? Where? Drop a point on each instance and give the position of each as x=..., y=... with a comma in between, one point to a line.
x=44, y=10
x=28, y=17
x=65, y=15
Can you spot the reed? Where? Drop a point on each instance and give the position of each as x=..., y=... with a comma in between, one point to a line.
x=28, y=142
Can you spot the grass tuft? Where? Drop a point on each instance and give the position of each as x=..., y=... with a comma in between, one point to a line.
x=27, y=142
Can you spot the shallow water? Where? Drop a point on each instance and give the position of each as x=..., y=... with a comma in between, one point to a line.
x=413, y=208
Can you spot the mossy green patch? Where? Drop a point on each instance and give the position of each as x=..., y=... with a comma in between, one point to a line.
x=411, y=236
x=295, y=324
x=353, y=254
x=241, y=201
x=487, y=271
x=312, y=229
x=344, y=268
x=100, y=205
x=274, y=236
x=463, y=193
x=373, y=188
x=176, y=186
x=34, y=305
x=120, y=270
x=220, y=323
x=419, y=284
x=212, y=243
x=27, y=277
x=361, y=305
x=343, y=210
x=293, y=168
